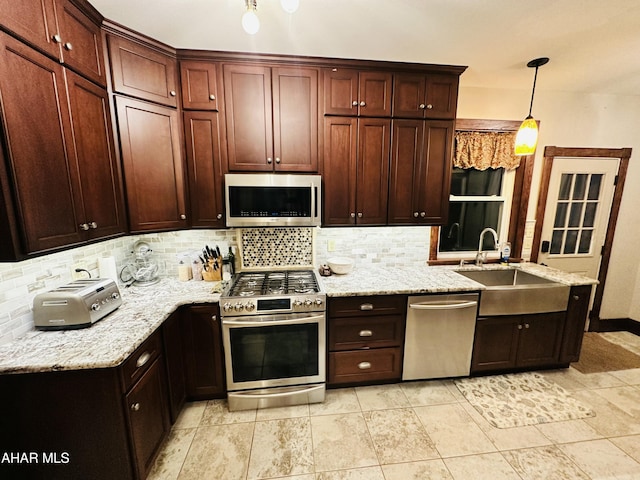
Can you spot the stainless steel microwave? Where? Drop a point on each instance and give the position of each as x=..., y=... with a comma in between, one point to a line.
x=272, y=200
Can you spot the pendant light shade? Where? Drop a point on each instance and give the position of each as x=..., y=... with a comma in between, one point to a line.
x=527, y=136
x=250, y=20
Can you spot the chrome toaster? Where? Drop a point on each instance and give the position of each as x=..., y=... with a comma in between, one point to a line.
x=78, y=304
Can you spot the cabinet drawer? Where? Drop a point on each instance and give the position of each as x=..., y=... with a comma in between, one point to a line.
x=140, y=360
x=351, y=333
x=365, y=365
x=369, y=305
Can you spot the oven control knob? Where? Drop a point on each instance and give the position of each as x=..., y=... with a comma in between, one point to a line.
x=115, y=295
x=297, y=303
x=95, y=307
x=249, y=307
x=308, y=303
x=238, y=307
x=226, y=307
x=318, y=301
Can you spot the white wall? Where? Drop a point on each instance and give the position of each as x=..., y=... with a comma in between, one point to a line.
x=579, y=120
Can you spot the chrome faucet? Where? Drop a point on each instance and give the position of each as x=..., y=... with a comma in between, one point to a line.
x=481, y=256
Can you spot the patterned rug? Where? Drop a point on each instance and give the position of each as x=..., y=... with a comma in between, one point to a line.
x=520, y=399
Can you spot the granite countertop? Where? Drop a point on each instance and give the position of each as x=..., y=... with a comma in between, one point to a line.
x=110, y=341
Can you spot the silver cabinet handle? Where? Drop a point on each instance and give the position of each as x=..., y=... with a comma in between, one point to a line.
x=135, y=406
x=93, y=225
x=429, y=106
x=183, y=217
x=422, y=106
x=519, y=327
x=68, y=46
x=352, y=215
x=212, y=97
x=269, y=160
x=366, y=333
x=172, y=93
x=526, y=325
x=366, y=306
x=84, y=226
x=364, y=365
x=143, y=359
x=423, y=214
x=219, y=216
x=359, y=214
x=277, y=159
x=214, y=318
x=354, y=103
x=56, y=38
x=415, y=214
x=363, y=104
x=576, y=297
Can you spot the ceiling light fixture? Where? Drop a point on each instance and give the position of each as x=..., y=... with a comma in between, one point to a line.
x=290, y=6
x=527, y=136
x=250, y=20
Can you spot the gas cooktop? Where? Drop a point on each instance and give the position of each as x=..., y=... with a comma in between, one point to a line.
x=274, y=283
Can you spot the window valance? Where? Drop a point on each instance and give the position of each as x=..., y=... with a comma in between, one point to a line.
x=482, y=150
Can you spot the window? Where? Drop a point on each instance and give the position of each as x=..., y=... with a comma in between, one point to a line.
x=479, y=199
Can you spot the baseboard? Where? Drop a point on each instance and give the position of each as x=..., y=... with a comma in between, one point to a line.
x=617, y=325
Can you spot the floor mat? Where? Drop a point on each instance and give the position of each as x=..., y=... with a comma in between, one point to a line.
x=600, y=355
x=520, y=399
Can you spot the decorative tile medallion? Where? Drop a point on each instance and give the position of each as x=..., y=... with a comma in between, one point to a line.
x=276, y=247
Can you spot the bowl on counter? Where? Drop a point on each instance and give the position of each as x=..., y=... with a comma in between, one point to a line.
x=340, y=265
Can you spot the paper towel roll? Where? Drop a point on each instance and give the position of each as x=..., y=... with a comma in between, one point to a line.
x=107, y=268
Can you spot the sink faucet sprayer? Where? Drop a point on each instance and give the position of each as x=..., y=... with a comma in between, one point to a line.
x=481, y=256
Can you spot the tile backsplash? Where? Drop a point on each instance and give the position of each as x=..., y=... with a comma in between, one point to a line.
x=20, y=282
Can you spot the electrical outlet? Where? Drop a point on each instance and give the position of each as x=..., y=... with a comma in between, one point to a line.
x=331, y=246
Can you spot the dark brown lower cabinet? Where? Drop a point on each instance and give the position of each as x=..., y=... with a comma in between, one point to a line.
x=203, y=353
x=174, y=360
x=517, y=342
x=579, y=298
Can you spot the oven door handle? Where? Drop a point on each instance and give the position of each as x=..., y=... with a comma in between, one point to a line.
x=295, y=321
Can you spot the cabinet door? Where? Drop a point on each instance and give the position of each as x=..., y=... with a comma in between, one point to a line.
x=339, y=170
x=441, y=96
x=295, y=119
x=199, y=85
x=374, y=94
x=341, y=92
x=409, y=96
x=248, y=117
x=495, y=346
x=153, y=169
x=577, y=311
x=98, y=166
x=81, y=42
x=40, y=147
x=141, y=72
x=406, y=157
x=34, y=21
x=174, y=361
x=204, y=357
x=148, y=416
x=204, y=153
x=372, y=179
x=540, y=338
x=433, y=179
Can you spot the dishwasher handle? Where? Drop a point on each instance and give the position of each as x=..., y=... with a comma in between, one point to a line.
x=442, y=306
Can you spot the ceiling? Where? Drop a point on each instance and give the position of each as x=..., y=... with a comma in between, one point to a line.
x=594, y=45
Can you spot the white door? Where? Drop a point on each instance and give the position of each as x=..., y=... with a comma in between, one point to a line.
x=577, y=214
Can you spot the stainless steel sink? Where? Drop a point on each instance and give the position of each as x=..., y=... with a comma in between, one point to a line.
x=515, y=292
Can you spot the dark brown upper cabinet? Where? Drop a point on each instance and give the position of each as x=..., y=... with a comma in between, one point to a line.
x=61, y=161
x=425, y=96
x=420, y=171
x=61, y=30
x=204, y=168
x=199, y=85
x=153, y=166
x=350, y=92
x=142, y=72
x=271, y=118
x=356, y=170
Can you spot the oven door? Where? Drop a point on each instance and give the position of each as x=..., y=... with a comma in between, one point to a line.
x=266, y=351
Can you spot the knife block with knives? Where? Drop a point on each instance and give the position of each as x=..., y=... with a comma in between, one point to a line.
x=211, y=264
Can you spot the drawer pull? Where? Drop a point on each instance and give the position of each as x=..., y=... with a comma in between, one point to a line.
x=366, y=333
x=364, y=365
x=135, y=407
x=366, y=306
x=142, y=359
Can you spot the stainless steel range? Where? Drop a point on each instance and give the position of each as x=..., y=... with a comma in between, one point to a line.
x=273, y=328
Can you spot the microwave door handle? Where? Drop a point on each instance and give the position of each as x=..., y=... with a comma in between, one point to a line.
x=314, y=201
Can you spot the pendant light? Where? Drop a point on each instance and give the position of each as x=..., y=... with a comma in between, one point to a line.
x=290, y=6
x=250, y=20
x=527, y=136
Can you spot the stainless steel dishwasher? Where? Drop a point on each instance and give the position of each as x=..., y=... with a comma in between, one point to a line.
x=439, y=335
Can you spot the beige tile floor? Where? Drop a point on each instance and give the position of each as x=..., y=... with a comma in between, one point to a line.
x=417, y=430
